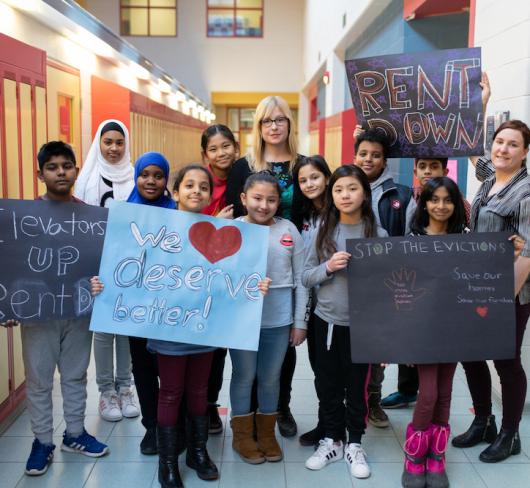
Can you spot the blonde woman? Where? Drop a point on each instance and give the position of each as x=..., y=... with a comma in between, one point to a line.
x=274, y=149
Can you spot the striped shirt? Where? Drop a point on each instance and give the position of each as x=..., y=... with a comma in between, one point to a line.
x=507, y=210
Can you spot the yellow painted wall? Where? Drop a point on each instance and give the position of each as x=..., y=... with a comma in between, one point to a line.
x=32, y=127
x=11, y=142
x=4, y=366
x=179, y=144
x=251, y=99
x=40, y=120
x=18, y=362
x=60, y=82
x=313, y=142
x=333, y=147
x=29, y=165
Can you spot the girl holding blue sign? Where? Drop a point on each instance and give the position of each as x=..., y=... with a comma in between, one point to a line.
x=282, y=324
x=347, y=214
x=181, y=367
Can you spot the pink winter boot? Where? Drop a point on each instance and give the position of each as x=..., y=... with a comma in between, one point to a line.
x=415, y=447
x=436, y=475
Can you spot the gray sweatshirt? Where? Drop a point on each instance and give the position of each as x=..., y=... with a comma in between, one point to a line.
x=332, y=290
x=286, y=302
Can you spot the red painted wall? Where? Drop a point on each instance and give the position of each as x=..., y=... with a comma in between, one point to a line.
x=427, y=8
x=109, y=101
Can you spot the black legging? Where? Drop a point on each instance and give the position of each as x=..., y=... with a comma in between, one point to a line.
x=215, y=382
x=145, y=372
x=511, y=374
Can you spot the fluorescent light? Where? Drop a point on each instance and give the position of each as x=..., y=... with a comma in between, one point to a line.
x=140, y=72
x=163, y=86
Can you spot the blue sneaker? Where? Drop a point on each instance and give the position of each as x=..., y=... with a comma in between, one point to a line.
x=397, y=400
x=40, y=458
x=84, y=444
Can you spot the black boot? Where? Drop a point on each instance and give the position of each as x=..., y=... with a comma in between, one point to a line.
x=506, y=444
x=216, y=424
x=286, y=423
x=197, y=456
x=181, y=435
x=312, y=437
x=483, y=429
x=168, y=465
x=148, y=446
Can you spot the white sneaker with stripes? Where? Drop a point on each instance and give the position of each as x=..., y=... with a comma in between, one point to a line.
x=356, y=459
x=327, y=452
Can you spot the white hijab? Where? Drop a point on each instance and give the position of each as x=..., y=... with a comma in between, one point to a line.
x=121, y=174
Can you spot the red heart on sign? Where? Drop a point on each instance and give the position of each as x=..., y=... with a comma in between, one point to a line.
x=215, y=244
x=482, y=311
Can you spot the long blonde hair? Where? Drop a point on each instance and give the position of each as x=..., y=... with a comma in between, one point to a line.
x=264, y=109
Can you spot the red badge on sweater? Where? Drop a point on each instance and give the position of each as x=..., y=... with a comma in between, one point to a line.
x=396, y=204
x=287, y=240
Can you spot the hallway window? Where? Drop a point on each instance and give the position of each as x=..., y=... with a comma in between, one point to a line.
x=235, y=18
x=148, y=18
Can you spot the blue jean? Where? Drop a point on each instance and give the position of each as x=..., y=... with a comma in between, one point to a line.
x=266, y=364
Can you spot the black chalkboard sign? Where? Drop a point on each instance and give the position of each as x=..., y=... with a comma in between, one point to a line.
x=432, y=299
x=48, y=252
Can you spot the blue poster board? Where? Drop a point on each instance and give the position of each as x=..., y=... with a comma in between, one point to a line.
x=181, y=277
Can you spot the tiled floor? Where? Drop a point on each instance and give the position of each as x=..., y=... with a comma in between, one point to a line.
x=126, y=467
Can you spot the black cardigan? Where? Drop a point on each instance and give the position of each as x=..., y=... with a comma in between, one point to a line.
x=236, y=181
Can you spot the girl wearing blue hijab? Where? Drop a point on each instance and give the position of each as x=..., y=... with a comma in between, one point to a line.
x=151, y=173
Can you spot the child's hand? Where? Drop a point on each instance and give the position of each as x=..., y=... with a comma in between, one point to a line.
x=263, y=285
x=297, y=336
x=226, y=213
x=338, y=261
x=10, y=323
x=486, y=89
x=518, y=245
x=96, y=287
x=383, y=365
x=358, y=131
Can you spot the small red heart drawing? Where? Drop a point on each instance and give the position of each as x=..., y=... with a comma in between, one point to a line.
x=482, y=311
x=215, y=244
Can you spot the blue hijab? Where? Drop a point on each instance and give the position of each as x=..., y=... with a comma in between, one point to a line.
x=151, y=159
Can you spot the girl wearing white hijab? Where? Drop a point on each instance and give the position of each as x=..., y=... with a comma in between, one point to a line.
x=106, y=175
x=107, y=167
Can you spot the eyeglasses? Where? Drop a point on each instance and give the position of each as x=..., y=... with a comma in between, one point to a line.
x=279, y=121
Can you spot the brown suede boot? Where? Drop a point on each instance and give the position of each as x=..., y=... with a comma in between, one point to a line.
x=267, y=442
x=243, y=442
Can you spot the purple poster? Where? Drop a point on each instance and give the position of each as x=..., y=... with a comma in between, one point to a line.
x=428, y=103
